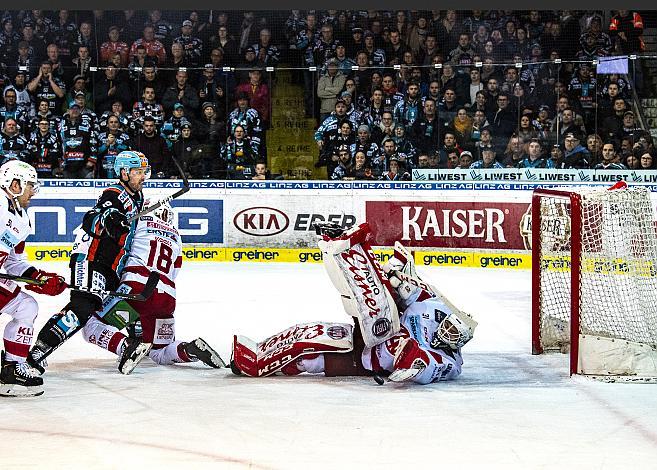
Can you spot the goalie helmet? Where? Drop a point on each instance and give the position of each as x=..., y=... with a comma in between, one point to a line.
x=164, y=212
x=455, y=330
x=21, y=171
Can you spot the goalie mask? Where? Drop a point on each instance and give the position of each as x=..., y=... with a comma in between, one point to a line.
x=455, y=330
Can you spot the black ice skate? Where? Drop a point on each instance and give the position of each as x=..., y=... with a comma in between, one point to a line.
x=132, y=355
x=19, y=379
x=199, y=349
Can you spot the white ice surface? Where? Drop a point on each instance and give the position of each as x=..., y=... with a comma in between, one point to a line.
x=509, y=409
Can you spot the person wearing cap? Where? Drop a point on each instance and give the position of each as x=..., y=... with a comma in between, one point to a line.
x=44, y=85
x=328, y=88
x=79, y=145
x=365, y=144
x=192, y=46
x=396, y=171
x=376, y=57
x=344, y=63
x=114, y=45
x=210, y=128
x=152, y=46
x=9, y=37
x=78, y=86
x=249, y=62
x=575, y=155
x=171, y=127
x=247, y=117
x=23, y=98
x=329, y=129
x=488, y=159
x=35, y=44
x=188, y=152
x=356, y=42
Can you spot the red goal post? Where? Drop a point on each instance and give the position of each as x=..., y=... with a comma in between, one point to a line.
x=594, y=279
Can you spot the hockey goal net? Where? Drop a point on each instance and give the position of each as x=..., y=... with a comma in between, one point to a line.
x=594, y=279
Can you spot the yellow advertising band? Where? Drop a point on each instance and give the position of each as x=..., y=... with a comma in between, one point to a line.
x=193, y=253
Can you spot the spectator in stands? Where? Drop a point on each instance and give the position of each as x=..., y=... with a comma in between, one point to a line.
x=11, y=110
x=609, y=158
x=365, y=144
x=612, y=126
x=535, y=157
x=345, y=163
x=192, y=46
x=238, y=156
x=513, y=152
x=191, y=157
x=177, y=59
x=261, y=172
x=150, y=76
x=44, y=151
x=13, y=145
x=85, y=37
x=248, y=118
x=409, y=109
x=376, y=56
x=461, y=127
x=79, y=144
x=82, y=63
x=526, y=130
x=181, y=92
x=626, y=30
x=594, y=146
x=466, y=159
x=50, y=88
x=396, y=171
x=171, y=127
x=147, y=107
x=258, y=93
x=110, y=89
x=139, y=61
x=328, y=87
x=152, y=46
x=575, y=156
x=630, y=126
x=267, y=53
x=228, y=46
x=503, y=120
x=426, y=130
x=647, y=161
x=154, y=147
x=57, y=66
x=210, y=129
x=405, y=147
x=212, y=87
x=566, y=125
x=488, y=160
x=114, y=45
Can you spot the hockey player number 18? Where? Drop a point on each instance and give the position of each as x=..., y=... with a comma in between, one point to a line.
x=164, y=261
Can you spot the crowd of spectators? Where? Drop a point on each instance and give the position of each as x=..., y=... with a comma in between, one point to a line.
x=391, y=90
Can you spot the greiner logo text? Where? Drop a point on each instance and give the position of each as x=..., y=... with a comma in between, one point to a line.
x=54, y=255
x=309, y=256
x=499, y=261
x=428, y=260
x=255, y=255
x=200, y=253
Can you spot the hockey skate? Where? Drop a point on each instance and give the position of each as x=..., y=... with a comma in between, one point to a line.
x=199, y=349
x=19, y=379
x=132, y=355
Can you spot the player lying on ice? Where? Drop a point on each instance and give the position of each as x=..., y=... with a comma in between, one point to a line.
x=156, y=246
x=423, y=345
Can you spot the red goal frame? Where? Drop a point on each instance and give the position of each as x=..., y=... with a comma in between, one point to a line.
x=575, y=268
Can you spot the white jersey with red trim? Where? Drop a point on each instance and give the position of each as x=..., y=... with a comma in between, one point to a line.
x=14, y=228
x=419, y=321
x=156, y=246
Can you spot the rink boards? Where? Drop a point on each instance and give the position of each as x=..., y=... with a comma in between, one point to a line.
x=466, y=223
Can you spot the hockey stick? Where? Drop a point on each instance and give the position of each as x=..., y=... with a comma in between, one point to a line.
x=146, y=292
x=161, y=202
x=149, y=287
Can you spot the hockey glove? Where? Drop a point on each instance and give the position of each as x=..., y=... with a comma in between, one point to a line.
x=54, y=283
x=410, y=361
x=115, y=223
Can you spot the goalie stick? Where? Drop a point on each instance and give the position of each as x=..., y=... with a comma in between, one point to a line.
x=146, y=292
x=161, y=202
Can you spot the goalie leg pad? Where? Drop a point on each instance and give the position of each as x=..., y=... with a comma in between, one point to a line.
x=365, y=289
x=271, y=355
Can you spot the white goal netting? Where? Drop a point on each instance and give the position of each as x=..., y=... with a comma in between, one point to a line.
x=617, y=286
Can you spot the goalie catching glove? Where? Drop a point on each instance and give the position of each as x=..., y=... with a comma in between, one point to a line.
x=53, y=284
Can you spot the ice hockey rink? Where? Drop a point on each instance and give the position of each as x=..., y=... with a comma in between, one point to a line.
x=508, y=409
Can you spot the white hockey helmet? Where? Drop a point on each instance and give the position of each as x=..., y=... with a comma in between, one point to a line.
x=21, y=171
x=164, y=212
x=455, y=330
